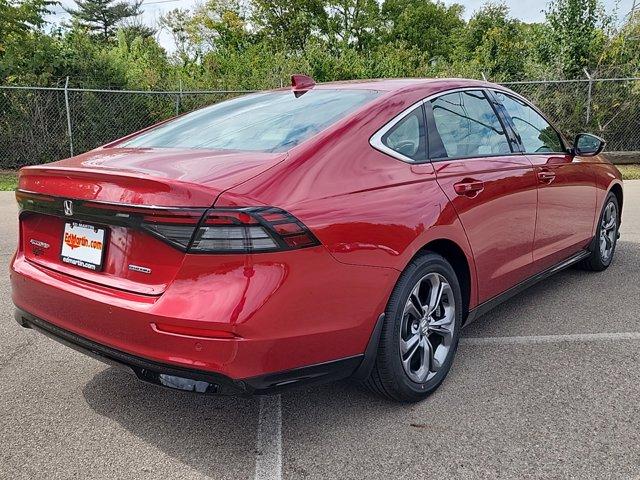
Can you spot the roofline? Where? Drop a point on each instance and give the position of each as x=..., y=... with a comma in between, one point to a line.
x=399, y=84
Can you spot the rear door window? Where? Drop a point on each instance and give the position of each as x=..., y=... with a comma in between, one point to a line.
x=468, y=126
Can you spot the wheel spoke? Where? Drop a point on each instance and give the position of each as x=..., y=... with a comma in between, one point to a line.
x=415, y=295
x=440, y=330
x=446, y=320
x=611, y=223
x=406, y=361
x=444, y=325
x=410, y=344
x=435, y=294
x=412, y=310
x=439, y=358
x=427, y=356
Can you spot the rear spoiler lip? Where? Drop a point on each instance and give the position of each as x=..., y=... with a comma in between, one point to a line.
x=119, y=205
x=105, y=213
x=32, y=179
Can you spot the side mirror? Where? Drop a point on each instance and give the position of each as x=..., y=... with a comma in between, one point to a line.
x=587, y=145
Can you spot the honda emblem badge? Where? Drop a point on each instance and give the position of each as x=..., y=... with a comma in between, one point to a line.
x=68, y=207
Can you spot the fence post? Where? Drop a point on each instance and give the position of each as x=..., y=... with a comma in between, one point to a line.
x=178, y=99
x=588, y=94
x=66, y=101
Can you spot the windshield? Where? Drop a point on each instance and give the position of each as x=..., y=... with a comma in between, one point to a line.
x=269, y=122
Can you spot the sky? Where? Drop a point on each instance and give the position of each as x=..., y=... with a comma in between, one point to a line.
x=525, y=10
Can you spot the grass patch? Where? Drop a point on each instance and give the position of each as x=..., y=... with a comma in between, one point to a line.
x=8, y=180
x=629, y=172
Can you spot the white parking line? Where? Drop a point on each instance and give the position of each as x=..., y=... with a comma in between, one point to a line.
x=533, y=339
x=269, y=445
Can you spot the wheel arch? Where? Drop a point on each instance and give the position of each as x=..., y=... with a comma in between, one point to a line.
x=456, y=256
x=616, y=189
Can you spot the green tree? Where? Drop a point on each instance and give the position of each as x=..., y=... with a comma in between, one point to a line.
x=24, y=47
x=19, y=19
x=219, y=25
x=353, y=23
x=103, y=16
x=496, y=44
x=290, y=24
x=578, y=31
x=432, y=27
x=176, y=22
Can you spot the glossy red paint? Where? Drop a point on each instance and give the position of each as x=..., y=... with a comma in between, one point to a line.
x=248, y=315
x=300, y=83
x=161, y=177
x=499, y=218
x=566, y=207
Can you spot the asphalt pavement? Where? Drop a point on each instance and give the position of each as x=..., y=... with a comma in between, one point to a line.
x=544, y=386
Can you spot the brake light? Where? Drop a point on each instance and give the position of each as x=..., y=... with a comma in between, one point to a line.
x=248, y=230
x=175, y=227
x=241, y=230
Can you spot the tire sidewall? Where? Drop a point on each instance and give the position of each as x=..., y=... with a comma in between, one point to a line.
x=429, y=263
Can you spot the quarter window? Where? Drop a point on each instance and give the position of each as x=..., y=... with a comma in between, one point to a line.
x=468, y=126
x=536, y=135
x=408, y=136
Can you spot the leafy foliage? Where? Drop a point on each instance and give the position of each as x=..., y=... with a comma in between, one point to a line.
x=256, y=44
x=103, y=16
x=259, y=43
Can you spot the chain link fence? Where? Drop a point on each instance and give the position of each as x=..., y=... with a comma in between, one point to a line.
x=609, y=108
x=39, y=125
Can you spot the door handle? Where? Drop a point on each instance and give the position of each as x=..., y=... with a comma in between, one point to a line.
x=545, y=176
x=468, y=187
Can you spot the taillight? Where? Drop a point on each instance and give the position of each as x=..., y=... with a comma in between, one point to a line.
x=175, y=227
x=195, y=230
x=241, y=230
x=248, y=230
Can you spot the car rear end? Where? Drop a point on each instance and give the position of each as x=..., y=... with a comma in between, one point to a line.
x=125, y=255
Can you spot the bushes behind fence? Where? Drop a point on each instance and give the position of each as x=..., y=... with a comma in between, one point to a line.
x=34, y=123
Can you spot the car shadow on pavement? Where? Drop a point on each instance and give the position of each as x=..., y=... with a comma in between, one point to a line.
x=573, y=301
x=213, y=435
x=217, y=435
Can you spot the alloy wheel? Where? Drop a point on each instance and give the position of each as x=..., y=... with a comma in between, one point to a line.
x=427, y=327
x=608, y=231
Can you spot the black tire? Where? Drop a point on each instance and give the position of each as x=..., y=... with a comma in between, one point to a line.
x=388, y=376
x=598, y=261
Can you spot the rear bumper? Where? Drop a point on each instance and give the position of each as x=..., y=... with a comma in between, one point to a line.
x=287, y=329
x=191, y=379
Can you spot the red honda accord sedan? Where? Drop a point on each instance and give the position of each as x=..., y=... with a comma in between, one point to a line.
x=301, y=235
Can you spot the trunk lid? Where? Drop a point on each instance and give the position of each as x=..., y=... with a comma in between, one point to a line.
x=94, y=216
x=161, y=177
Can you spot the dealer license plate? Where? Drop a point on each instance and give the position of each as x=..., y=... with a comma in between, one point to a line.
x=83, y=245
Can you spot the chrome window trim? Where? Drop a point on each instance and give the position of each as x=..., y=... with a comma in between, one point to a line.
x=376, y=139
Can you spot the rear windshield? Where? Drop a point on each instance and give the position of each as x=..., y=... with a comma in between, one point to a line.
x=269, y=122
